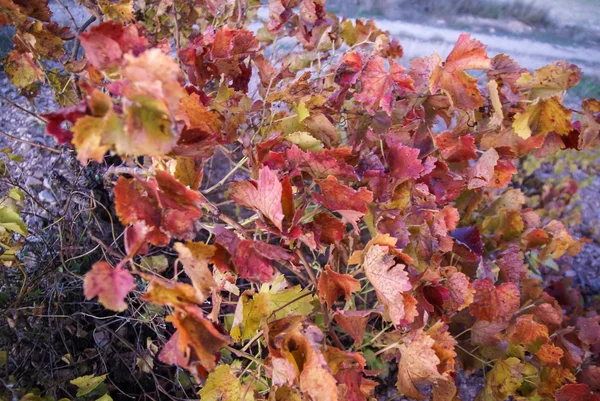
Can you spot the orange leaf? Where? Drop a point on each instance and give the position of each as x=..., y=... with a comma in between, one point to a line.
x=336, y=196
x=468, y=54
x=333, y=285
x=170, y=293
x=418, y=364
x=198, y=339
x=353, y=322
x=443, y=346
x=494, y=303
x=550, y=354
x=526, y=331
x=197, y=270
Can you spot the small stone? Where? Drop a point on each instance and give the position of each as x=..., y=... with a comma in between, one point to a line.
x=33, y=182
x=47, y=196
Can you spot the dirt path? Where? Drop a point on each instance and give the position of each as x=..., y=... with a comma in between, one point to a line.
x=422, y=40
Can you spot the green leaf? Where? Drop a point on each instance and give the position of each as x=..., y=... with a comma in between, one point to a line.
x=16, y=194
x=10, y=219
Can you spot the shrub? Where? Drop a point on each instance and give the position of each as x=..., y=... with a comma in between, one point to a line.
x=371, y=214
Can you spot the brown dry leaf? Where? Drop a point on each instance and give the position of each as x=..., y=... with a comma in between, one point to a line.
x=390, y=280
x=197, y=270
x=418, y=364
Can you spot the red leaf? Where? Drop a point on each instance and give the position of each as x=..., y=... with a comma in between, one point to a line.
x=264, y=196
x=327, y=228
x=451, y=76
x=106, y=43
x=254, y=260
x=166, y=206
x=378, y=84
x=456, y=148
x=444, y=184
x=339, y=197
x=347, y=72
x=575, y=392
x=320, y=165
x=110, y=285
x=229, y=43
x=511, y=265
x=56, y=119
x=404, y=162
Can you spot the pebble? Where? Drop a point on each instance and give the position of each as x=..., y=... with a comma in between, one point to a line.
x=47, y=196
x=33, y=182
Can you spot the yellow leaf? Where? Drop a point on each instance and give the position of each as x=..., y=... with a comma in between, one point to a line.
x=498, y=116
x=552, y=79
x=90, y=136
x=294, y=301
x=254, y=309
x=503, y=380
x=87, y=384
x=542, y=117
x=305, y=141
x=223, y=385
x=188, y=171
x=302, y=111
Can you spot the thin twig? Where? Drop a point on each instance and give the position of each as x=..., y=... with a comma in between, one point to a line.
x=23, y=109
x=83, y=27
x=14, y=138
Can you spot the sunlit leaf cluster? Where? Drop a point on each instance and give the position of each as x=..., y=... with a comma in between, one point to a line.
x=372, y=222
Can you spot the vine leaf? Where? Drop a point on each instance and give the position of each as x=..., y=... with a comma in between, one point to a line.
x=551, y=80
x=110, y=285
x=390, y=281
x=543, y=116
x=418, y=364
x=106, y=43
x=493, y=303
x=223, y=385
x=333, y=285
x=255, y=260
x=22, y=69
x=378, y=84
x=503, y=380
x=353, y=322
x=264, y=196
x=197, y=341
x=451, y=76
